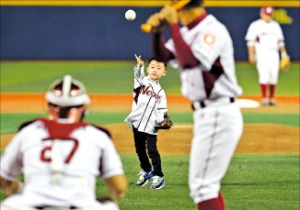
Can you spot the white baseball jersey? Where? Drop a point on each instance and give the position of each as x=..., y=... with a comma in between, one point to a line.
x=212, y=86
x=60, y=162
x=149, y=103
x=211, y=44
x=267, y=38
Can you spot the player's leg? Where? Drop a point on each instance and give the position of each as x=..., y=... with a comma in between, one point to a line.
x=140, y=148
x=263, y=74
x=154, y=154
x=216, y=135
x=102, y=204
x=158, y=176
x=200, y=160
x=13, y=202
x=274, y=72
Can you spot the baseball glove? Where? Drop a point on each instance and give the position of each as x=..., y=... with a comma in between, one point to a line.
x=166, y=123
x=285, y=63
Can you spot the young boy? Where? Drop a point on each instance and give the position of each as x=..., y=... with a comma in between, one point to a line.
x=148, y=110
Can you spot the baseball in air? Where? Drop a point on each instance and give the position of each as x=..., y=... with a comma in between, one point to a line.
x=130, y=15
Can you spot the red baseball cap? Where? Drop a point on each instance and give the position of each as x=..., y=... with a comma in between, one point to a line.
x=267, y=10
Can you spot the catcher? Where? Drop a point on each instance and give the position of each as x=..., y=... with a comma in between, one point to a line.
x=61, y=157
x=148, y=115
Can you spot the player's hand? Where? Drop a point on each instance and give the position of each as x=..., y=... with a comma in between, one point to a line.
x=139, y=61
x=168, y=14
x=285, y=63
x=156, y=22
x=252, y=58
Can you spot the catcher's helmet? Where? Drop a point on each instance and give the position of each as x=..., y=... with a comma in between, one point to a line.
x=67, y=92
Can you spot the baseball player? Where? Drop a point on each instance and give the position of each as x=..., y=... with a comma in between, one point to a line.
x=203, y=51
x=264, y=39
x=61, y=157
x=148, y=110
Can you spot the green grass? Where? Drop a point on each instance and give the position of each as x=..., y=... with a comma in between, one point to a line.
x=115, y=77
x=263, y=182
x=283, y=119
x=11, y=122
x=260, y=182
x=288, y=82
x=252, y=182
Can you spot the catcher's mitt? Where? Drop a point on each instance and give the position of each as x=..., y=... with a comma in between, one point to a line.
x=285, y=63
x=166, y=123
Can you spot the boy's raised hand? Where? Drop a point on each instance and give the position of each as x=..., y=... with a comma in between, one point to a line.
x=139, y=61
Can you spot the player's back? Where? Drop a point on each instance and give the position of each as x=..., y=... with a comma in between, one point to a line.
x=61, y=162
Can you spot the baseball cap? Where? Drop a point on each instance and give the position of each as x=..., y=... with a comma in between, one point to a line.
x=267, y=10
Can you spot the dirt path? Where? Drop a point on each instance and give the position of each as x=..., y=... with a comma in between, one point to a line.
x=35, y=103
x=257, y=138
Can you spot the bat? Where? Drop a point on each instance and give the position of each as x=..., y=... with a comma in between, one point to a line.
x=176, y=5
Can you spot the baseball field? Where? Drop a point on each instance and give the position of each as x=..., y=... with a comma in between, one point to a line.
x=264, y=173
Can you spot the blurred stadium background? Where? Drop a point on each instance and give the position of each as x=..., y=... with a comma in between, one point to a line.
x=97, y=30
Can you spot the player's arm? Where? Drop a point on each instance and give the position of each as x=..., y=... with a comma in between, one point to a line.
x=282, y=50
x=117, y=186
x=139, y=72
x=111, y=170
x=139, y=68
x=250, y=38
x=162, y=107
x=183, y=51
x=158, y=48
x=10, y=187
x=251, y=53
x=11, y=166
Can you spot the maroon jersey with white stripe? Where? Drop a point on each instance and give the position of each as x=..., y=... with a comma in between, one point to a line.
x=214, y=77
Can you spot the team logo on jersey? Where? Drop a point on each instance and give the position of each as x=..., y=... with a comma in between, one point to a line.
x=209, y=39
x=146, y=91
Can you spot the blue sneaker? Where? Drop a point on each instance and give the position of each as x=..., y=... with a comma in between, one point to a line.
x=158, y=183
x=144, y=178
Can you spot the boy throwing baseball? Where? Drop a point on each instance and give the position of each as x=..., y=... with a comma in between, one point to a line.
x=148, y=110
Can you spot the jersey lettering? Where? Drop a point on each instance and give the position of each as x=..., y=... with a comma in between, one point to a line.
x=45, y=153
x=146, y=91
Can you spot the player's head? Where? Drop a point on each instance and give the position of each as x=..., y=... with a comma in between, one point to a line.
x=190, y=11
x=266, y=13
x=156, y=68
x=193, y=4
x=67, y=99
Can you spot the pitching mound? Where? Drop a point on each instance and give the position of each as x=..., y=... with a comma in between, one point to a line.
x=257, y=138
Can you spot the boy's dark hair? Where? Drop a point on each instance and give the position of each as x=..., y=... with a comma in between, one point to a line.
x=159, y=60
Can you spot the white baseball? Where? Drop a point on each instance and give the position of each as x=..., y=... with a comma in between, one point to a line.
x=130, y=15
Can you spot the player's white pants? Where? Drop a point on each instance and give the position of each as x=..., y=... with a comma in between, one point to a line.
x=268, y=68
x=217, y=131
x=15, y=202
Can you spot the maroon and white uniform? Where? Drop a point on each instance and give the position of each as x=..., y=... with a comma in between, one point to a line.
x=149, y=105
x=203, y=52
x=55, y=156
x=267, y=38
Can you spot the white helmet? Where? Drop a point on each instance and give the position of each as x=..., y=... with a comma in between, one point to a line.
x=67, y=92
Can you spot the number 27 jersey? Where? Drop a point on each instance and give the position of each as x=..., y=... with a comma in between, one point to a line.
x=60, y=161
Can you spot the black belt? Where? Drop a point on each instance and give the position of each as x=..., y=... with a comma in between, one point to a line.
x=45, y=207
x=202, y=103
